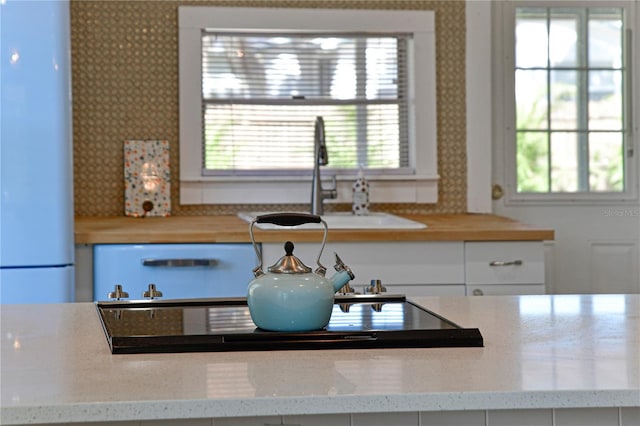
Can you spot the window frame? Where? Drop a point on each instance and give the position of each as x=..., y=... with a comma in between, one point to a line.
x=418, y=187
x=234, y=104
x=504, y=44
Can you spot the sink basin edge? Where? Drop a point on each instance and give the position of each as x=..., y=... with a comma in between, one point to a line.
x=346, y=220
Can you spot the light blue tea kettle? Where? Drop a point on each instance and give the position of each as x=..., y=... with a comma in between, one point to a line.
x=290, y=297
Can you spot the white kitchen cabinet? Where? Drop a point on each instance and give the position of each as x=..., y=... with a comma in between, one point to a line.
x=318, y=420
x=624, y=416
x=427, y=290
x=385, y=419
x=505, y=289
x=433, y=268
x=504, y=268
x=248, y=421
x=411, y=268
x=420, y=268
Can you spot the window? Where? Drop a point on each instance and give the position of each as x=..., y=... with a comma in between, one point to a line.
x=262, y=93
x=253, y=81
x=571, y=123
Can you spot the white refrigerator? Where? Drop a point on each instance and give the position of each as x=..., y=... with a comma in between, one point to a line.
x=36, y=186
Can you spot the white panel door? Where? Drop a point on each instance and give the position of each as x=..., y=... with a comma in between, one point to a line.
x=596, y=244
x=592, y=252
x=613, y=266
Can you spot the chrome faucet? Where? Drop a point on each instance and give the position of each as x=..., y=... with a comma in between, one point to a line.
x=320, y=158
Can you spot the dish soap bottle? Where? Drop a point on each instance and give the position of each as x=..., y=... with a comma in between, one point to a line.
x=360, y=189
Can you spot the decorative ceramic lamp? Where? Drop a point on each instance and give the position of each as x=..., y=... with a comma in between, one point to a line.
x=147, y=178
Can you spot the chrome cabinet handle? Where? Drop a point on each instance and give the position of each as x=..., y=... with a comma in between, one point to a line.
x=508, y=263
x=179, y=262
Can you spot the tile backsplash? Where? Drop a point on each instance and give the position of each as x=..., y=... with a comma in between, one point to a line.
x=125, y=86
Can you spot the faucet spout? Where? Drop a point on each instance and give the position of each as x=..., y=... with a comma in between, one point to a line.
x=320, y=158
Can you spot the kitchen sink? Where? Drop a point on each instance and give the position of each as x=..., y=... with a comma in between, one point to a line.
x=346, y=220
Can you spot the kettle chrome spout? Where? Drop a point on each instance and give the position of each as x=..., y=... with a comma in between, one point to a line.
x=320, y=158
x=343, y=274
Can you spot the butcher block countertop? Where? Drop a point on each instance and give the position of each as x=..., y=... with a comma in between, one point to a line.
x=231, y=229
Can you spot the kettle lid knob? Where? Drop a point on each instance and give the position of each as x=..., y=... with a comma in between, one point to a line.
x=289, y=264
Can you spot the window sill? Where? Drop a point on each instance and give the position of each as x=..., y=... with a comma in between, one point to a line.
x=282, y=190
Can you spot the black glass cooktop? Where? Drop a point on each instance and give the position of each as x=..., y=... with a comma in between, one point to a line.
x=215, y=325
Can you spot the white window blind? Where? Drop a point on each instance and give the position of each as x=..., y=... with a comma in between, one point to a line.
x=262, y=92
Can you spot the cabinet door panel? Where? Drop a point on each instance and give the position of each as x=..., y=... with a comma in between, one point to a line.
x=426, y=290
x=318, y=420
x=386, y=419
x=392, y=262
x=505, y=290
x=248, y=421
x=178, y=270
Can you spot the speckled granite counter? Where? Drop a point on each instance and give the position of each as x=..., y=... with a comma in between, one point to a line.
x=540, y=352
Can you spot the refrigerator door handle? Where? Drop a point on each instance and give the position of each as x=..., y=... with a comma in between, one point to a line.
x=181, y=263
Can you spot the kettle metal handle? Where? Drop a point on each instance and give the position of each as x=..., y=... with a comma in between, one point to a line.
x=288, y=219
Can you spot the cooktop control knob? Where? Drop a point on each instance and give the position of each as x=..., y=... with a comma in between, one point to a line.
x=376, y=287
x=152, y=292
x=347, y=289
x=118, y=293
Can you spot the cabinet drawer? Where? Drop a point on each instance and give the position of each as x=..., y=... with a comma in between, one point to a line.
x=509, y=262
x=178, y=270
x=505, y=289
x=425, y=290
x=392, y=262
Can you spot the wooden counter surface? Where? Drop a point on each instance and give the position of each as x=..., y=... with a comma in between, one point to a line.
x=231, y=229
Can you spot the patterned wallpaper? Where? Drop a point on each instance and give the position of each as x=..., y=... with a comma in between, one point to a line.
x=125, y=86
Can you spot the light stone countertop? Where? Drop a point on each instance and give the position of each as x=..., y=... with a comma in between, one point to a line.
x=540, y=352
